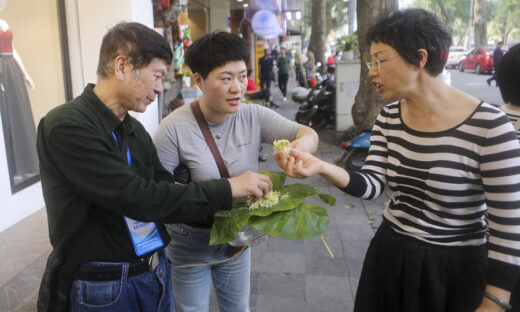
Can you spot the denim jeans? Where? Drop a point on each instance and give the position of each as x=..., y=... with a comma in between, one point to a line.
x=149, y=291
x=191, y=286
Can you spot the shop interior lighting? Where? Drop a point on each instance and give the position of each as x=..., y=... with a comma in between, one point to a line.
x=298, y=15
x=245, y=5
x=289, y=15
x=240, y=0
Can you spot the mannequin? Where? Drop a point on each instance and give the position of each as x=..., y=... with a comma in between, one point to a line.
x=15, y=109
x=30, y=83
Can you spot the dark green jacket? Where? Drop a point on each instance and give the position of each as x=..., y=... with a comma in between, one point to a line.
x=88, y=186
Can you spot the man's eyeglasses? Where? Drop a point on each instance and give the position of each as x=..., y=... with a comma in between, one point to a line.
x=376, y=64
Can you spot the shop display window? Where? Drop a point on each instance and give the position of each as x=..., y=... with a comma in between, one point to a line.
x=31, y=80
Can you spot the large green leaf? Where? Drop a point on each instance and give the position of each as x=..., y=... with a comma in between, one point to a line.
x=329, y=199
x=303, y=222
x=225, y=229
x=277, y=178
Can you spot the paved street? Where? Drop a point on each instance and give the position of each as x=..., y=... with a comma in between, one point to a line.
x=476, y=85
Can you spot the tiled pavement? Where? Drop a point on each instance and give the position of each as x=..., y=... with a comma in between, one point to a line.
x=301, y=276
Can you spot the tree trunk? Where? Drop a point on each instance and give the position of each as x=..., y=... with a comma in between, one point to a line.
x=479, y=23
x=367, y=104
x=448, y=18
x=317, y=41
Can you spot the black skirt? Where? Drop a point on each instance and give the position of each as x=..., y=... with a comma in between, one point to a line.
x=401, y=273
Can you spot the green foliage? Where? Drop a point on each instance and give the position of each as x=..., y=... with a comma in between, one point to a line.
x=288, y=218
x=304, y=221
x=503, y=18
x=336, y=14
x=347, y=42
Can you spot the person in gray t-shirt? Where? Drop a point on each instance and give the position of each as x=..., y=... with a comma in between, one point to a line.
x=218, y=62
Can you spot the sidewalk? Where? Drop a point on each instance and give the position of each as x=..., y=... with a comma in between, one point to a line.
x=300, y=276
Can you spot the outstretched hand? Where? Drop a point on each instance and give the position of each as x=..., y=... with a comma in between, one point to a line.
x=250, y=184
x=299, y=164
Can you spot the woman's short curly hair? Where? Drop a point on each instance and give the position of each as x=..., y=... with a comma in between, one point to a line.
x=410, y=30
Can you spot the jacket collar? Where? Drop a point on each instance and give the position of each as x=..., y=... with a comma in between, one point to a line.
x=108, y=119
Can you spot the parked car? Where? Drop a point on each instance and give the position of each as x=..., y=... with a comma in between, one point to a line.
x=479, y=59
x=455, y=55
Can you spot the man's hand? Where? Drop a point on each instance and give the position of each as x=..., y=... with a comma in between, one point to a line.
x=250, y=184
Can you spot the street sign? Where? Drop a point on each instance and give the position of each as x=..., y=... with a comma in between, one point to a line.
x=265, y=24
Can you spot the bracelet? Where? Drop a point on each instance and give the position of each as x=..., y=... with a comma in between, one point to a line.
x=498, y=301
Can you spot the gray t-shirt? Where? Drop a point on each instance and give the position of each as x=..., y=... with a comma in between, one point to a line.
x=238, y=138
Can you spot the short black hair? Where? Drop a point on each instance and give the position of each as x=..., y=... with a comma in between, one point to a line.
x=508, y=75
x=410, y=30
x=214, y=50
x=138, y=43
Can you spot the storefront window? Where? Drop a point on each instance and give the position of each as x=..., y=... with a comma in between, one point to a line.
x=31, y=81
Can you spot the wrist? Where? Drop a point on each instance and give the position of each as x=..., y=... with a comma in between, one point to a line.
x=233, y=188
x=498, y=301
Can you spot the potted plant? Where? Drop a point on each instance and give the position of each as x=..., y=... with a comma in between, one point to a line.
x=348, y=44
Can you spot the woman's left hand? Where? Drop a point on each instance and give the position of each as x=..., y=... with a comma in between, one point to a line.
x=489, y=306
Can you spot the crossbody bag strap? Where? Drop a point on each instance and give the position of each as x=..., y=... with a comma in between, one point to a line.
x=209, y=139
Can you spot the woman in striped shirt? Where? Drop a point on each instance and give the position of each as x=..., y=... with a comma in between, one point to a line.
x=450, y=239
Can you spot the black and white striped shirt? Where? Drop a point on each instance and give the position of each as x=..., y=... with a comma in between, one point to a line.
x=450, y=187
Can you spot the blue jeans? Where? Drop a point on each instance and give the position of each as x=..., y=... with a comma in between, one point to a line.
x=149, y=291
x=191, y=286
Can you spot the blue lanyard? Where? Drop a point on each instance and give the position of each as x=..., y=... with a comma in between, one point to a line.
x=145, y=236
x=128, y=157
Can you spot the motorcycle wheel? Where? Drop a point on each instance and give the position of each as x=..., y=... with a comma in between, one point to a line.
x=356, y=159
x=302, y=117
x=317, y=121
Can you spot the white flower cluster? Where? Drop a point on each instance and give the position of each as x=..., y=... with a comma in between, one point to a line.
x=282, y=145
x=272, y=198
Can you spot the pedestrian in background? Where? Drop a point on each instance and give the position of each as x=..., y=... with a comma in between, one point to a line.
x=508, y=77
x=449, y=237
x=284, y=68
x=218, y=62
x=174, y=104
x=497, y=56
x=105, y=189
x=275, y=55
x=310, y=66
x=266, y=74
x=299, y=70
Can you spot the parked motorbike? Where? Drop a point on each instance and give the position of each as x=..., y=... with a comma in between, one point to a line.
x=356, y=151
x=319, y=108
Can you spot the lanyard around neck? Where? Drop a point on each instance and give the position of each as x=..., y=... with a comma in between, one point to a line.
x=123, y=147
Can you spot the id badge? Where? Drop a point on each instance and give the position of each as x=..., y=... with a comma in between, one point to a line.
x=145, y=236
